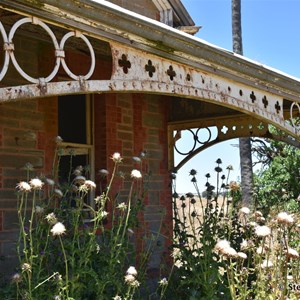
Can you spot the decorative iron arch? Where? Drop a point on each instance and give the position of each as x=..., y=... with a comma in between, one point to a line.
x=225, y=128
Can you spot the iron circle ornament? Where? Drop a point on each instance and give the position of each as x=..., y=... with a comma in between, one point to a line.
x=6, y=52
x=93, y=60
x=291, y=113
x=209, y=136
x=193, y=147
x=34, y=21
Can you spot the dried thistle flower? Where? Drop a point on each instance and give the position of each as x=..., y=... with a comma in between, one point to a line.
x=131, y=271
x=79, y=180
x=103, y=172
x=50, y=181
x=26, y=267
x=258, y=214
x=51, y=218
x=234, y=186
x=136, y=174
x=229, y=252
x=292, y=253
x=285, y=218
x=266, y=264
x=16, y=278
x=23, y=187
x=39, y=210
x=136, y=159
x=58, y=229
x=221, y=245
x=90, y=185
x=116, y=157
x=122, y=206
x=262, y=231
x=58, y=193
x=163, y=282
x=242, y=255
x=245, y=210
x=36, y=184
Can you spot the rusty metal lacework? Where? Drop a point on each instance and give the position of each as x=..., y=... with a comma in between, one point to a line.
x=277, y=107
x=196, y=139
x=150, y=68
x=265, y=101
x=171, y=73
x=124, y=63
x=252, y=97
x=294, y=121
x=9, y=54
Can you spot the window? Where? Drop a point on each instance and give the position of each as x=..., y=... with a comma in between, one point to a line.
x=75, y=125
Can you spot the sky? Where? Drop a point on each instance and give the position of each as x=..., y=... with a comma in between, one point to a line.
x=270, y=33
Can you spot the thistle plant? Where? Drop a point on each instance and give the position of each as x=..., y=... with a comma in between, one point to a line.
x=198, y=224
x=224, y=251
x=65, y=255
x=268, y=267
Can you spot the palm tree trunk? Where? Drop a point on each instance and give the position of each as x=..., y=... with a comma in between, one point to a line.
x=244, y=143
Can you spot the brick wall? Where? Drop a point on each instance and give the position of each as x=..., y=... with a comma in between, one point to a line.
x=125, y=123
x=136, y=123
x=143, y=7
x=27, y=136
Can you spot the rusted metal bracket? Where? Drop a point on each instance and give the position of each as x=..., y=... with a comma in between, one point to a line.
x=208, y=132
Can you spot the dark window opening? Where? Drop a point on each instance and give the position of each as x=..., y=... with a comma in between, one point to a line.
x=72, y=119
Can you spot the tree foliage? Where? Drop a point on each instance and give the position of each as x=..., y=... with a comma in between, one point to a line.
x=277, y=183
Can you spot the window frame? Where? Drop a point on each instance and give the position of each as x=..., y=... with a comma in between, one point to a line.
x=84, y=149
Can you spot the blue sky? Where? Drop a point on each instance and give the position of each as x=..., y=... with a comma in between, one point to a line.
x=270, y=30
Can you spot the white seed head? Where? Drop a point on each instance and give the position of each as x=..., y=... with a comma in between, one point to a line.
x=136, y=174
x=90, y=185
x=163, y=282
x=242, y=255
x=58, y=229
x=221, y=245
x=116, y=157
x=51, y=218
x=39, y=210
x=262, y=231
x=245, y=210
x=58, y=193
x=122, y=206
x=36, y=184
x=229, y=252
x=24, y=186
x=58, y=140
x=285, y=218
x=50, y=181
x=292, y=253
x=16, y=278
x=131, y=271
x=266, y=264
x=26, y=267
